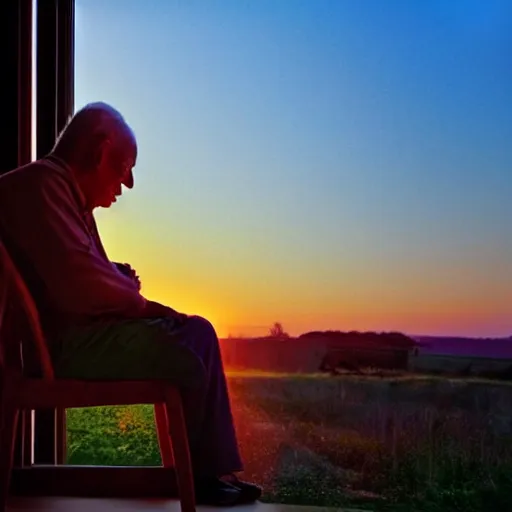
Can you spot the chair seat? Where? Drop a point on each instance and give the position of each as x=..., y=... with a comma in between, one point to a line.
x=43, y=393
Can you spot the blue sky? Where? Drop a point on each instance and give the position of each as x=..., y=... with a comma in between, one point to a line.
x=329, y=164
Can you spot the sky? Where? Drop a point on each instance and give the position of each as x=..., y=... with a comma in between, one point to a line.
x=328, y=164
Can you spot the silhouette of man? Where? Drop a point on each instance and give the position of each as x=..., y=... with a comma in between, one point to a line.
x=97, y=323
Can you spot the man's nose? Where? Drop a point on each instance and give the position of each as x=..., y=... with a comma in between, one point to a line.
x=128, y=181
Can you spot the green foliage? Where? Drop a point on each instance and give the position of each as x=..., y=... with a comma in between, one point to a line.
x=112, y=436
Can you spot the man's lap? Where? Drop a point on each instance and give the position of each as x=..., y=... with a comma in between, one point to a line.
x=139, y=349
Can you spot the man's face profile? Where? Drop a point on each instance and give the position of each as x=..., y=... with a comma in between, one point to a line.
x=114, y=169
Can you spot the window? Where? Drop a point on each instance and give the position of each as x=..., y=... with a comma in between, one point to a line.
x=334, y=167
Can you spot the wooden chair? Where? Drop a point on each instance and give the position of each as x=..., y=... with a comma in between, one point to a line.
x=21, y=334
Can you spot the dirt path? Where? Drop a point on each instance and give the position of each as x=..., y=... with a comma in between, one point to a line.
x=261, y=440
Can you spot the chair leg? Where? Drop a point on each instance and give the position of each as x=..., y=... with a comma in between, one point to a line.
x=179, y=438
x=8, y=426
x=162, y=430
x=25, y=419
x=60, y=436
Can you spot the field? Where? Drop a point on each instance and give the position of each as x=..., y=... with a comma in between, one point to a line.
x=457, y=365
x=396, y=443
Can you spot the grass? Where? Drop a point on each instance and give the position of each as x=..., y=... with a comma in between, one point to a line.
x=341, y=454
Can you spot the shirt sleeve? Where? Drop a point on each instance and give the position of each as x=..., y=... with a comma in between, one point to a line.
x=48, y=228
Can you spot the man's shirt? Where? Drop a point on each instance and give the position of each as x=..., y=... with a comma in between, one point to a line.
x=55, y=244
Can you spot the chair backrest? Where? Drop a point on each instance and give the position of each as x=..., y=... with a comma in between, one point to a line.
x=20, y=328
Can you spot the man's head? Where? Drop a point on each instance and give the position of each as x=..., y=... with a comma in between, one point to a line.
x=101, y=150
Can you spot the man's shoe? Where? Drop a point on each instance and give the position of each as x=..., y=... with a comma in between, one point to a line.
x=217, y=493
x=249, y=493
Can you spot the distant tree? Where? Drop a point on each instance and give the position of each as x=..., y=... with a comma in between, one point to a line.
x=277, y=331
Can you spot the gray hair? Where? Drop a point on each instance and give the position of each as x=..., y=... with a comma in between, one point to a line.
x=93, y=123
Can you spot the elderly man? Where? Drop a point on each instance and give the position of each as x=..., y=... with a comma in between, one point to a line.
x=98, y=324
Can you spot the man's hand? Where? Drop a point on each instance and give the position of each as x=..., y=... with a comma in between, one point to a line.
x=152, y=309
x=128, y=271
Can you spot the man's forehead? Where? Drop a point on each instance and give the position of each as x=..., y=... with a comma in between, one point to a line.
x=130, y=162
x=126, y=142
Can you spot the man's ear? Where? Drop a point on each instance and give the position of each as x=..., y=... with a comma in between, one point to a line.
x=100, y=145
